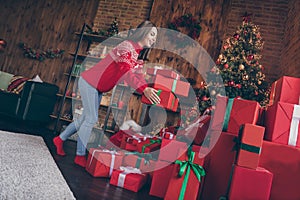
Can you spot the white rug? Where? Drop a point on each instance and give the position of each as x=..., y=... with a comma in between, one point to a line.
x=28, y=171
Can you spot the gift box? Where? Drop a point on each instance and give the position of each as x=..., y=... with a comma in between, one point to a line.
x=167, y=100
x=161, y=177
x=186, y=176
x=101, y=162
x=128, y=178
x=130, y=139
x=171, y=149
x=284, y=162
x=250, y=184
x=249, y=143
x=142, y=161
x=164, y=72
x=177, y=86
x=286, y=89
x=230, y=114
x=221, y=159
x=148, y=145
x=282, y=123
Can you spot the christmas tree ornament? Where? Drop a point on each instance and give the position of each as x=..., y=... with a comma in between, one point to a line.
x=250, y=57
x=226, y=66
x=236, y=36
x=241, y=67
x=213, y=92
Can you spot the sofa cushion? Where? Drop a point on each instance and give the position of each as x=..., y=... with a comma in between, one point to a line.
x=16, y=84
x=5, y=79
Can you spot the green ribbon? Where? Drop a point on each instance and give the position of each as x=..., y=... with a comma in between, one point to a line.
x=174, y=85
x=158, y=94
x=152, y=141
x=186, y=166
x=244, y=146
x=146, y=157
x=227, y=113
x=250, y=148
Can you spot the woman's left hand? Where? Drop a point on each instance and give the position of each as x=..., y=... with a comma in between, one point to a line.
x=151, y=94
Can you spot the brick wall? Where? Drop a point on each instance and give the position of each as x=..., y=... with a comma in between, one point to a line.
x=270, y=16
x=129, y=13
x=290, y=59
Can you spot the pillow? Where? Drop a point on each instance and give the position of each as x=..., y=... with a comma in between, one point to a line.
x=4, y=80
x=16, y=84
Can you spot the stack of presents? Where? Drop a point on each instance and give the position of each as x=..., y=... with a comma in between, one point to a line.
x=241, y=151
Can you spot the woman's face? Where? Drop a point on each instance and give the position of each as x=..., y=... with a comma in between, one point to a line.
x=150, y=38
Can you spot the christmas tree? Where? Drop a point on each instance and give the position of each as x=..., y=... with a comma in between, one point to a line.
x=237, y=69
x=114, y=28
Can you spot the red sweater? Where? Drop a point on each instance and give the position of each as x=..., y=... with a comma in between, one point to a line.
x=121, y=64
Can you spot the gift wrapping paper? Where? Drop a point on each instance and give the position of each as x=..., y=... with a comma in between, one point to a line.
x=249, y=144
x=282, y=124
x=101, y=162
x=128, y=178
x=286, y=89
x=250, y=184
x=230, y=114
x=187, y=176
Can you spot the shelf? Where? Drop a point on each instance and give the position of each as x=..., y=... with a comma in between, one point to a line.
x=68, y=97
x=86, y=57
x=61, y=118
x=72, y=75
x=100, y=38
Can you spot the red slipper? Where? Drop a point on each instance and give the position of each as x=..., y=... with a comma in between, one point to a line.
x=58, y=142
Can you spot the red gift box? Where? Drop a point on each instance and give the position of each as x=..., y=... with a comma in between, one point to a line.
x=164, y=72
x=171, y=150
x=140, y=161
x=161, y=177
x=176, y=185
x=178, y=87
x=148, y=145
x=221, y=159
x=131, y=179
x=167, y=100
x=282, y=123
x=101, y=162
x=130, y=139
x=250, y=141
x=250, y=184
x=240, y=111
x=284, y=162
x=286, y=89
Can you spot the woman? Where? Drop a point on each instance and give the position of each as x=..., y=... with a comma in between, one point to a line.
x=119, y=65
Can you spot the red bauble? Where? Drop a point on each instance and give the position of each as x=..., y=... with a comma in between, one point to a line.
x=239, y=86
x=236, y=36
x=230, y=83
x=205, y=98
x=250, y=57
x=226, y=66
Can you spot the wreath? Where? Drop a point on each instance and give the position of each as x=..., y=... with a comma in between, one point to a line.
x=190, y=23
x=39, y=54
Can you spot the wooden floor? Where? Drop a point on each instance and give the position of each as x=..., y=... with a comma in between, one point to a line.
x=83, y=185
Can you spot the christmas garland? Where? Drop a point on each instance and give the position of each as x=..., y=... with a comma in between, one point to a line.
x=191, y=24
x=38, y=54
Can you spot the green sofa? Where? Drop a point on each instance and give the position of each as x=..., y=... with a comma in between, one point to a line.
x=35, y=102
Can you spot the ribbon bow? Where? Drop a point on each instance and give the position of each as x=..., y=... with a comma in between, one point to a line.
x=130, y=170
x=152, y=141
x=186, y=166
x=126, y=170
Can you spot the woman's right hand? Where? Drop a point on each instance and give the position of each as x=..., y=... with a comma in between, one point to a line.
x=151, y=94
